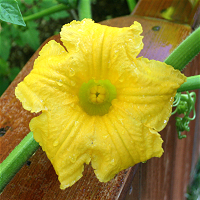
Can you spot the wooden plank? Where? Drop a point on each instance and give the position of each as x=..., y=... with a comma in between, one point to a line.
x=169, y=176
x=183, y=158
x=153, y=180
x=180, y=11
x=188, y=150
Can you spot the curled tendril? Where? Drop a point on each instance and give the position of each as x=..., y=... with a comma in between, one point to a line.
x=185, y=104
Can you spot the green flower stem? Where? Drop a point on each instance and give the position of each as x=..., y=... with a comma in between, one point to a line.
x=193, y=83
x=131, y=4
x=84, y=9
x=16, y=159
x=47, y=11
x=185, y=52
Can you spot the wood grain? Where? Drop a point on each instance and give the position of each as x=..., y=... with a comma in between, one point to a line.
x=184, y=11
x=164, y=178
x=169, y=176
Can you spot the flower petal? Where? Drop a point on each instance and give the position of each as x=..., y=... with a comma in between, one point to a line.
x=65, y=134
x=97, y=46
x=49, y=76
x=120, y=142
x=147, y=92
x=112, y=142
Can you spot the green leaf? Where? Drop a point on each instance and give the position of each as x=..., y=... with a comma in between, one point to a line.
x=13, y=73
x=167, y=13
x=60, y=15
x=4, y=83
x=32, y=38
x=5, y=44
x=4, y=68
x=28, y=2
x=10, y=12
x=31, y=35
x=71, y=3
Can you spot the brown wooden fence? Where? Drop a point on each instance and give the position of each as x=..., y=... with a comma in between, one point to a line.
x=164, y=178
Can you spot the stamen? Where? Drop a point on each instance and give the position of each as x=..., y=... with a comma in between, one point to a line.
x=96, y=96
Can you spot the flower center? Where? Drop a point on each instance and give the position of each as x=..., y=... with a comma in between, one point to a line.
x=96, y=96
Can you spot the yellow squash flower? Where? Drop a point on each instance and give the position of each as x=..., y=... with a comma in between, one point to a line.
x=99, y=103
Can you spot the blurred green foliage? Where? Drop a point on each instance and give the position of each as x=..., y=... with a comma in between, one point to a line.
x=13, y=35
x=193, y=191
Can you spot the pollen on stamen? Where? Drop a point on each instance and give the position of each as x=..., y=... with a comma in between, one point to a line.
x=97, y=94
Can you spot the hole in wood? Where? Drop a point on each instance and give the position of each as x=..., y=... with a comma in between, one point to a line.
x=28, y=162
x=156, y=28
x=3, y=130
